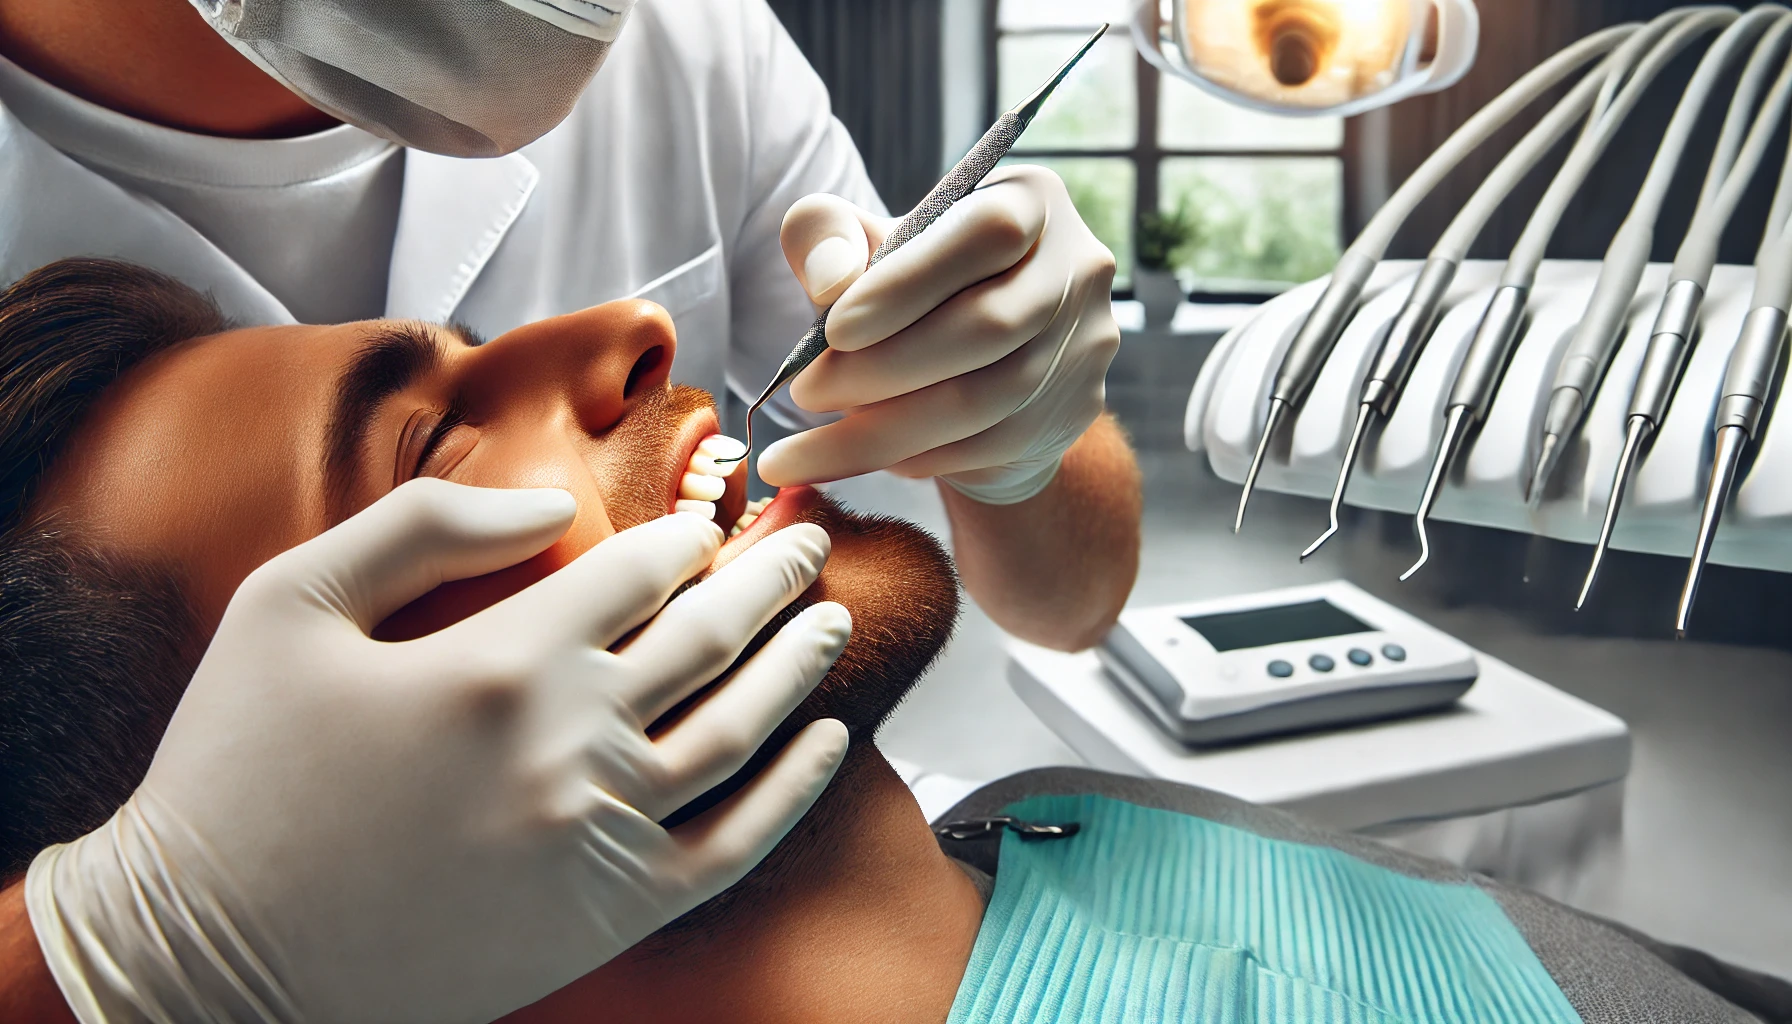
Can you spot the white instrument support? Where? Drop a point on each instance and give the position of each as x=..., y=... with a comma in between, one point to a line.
x=1225, y=416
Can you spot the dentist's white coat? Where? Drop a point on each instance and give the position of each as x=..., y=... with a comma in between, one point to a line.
x=669, y=182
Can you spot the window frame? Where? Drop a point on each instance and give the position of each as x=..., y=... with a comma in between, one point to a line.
x=1146, y=154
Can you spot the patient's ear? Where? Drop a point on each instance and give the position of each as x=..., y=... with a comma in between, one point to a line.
x=460, y=599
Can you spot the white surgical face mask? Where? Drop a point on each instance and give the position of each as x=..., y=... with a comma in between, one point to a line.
x=1313, y=57
x=458, y=77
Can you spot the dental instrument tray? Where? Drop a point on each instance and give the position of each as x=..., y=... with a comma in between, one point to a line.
x=1487, y=485
x=1236, y=668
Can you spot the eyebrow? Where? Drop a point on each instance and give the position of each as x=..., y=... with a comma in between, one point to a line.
x=393, y=357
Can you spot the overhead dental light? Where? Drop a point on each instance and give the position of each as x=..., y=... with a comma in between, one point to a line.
x=1309, y=57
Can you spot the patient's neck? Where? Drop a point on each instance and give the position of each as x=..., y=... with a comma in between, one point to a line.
x=879, y=929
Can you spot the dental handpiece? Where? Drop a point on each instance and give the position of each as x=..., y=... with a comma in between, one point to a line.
x=1417, y=319
x=1748, y=380
x=965, y=175
x=1471, y=394
x=1676, y=322
x=1326, y=321
x=1595, y=338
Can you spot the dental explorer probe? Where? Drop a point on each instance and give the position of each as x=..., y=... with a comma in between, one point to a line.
x=1413, y=325
x=1328, y=317
x=965, y=175
x=1595, y=338
x=1471, y=394
x=1677, y=320
x=1748, y=378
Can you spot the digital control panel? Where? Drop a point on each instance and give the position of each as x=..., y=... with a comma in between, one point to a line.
x=1233, y=668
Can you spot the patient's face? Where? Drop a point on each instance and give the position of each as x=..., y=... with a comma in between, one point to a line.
x=227, y=450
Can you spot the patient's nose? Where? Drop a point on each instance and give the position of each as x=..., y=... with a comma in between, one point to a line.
x=602, y=360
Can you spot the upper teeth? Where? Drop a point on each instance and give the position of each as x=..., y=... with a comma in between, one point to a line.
x=704, y=480
x=711, y=448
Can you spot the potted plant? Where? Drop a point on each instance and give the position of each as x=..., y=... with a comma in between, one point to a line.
x=1162, y=238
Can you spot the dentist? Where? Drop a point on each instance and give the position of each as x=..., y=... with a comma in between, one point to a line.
x=332, y=160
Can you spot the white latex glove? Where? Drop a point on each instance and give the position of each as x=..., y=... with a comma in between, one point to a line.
x=336, y=829
x=976, y=353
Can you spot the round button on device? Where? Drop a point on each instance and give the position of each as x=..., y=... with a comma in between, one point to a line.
x=1280, y=669
x=1322, y=663
x=1393, y=652
x=1358, y=656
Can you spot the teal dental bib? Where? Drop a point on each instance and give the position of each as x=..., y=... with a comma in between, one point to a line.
x=1149, y=915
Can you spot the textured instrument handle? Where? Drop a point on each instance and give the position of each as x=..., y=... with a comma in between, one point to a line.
x=958, y=183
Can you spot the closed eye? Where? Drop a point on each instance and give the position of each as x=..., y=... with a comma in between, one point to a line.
x=455, y=416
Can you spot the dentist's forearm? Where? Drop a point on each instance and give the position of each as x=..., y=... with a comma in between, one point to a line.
x=1055, y=569
x=28, y=993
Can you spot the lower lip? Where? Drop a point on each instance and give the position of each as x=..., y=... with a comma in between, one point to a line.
x=788, y=507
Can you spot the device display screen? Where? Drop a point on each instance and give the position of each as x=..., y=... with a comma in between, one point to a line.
x=1260, y=627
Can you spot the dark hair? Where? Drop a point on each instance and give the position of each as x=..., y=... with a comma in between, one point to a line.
x=94, y=651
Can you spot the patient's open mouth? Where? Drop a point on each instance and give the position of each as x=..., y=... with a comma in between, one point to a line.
x=790, y=506
x=717, y=490
x=701, y=481
x=705, y=480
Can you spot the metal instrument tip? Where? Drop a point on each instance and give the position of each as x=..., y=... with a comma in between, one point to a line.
x=1446, y=450
x=1730, y=440
x=1319, y=541
x=1636, y=432
x=1546, y=464
x=1028, y=108
x=742, y=457
x=1276, y=408
x=1363, y=413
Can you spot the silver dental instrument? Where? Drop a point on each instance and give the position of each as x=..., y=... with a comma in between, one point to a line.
x=1589, y=352
x=1677, y=320
x=1471, y=395
x=1748, y=380
x=965, y=175
x=1319, y=333
x=1418, y=316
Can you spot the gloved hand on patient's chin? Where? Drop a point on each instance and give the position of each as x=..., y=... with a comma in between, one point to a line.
x=445, y=829
x=976, y=353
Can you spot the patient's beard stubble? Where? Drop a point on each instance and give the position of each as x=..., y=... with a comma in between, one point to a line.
x=633, y=454
x=899, y=584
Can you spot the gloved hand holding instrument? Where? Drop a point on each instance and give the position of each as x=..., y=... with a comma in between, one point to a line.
x=448, y=828
x=969, y=340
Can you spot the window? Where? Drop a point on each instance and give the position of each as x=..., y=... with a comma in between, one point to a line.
x=1265, y=192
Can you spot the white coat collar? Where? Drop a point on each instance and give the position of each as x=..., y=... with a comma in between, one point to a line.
x=452, y=218
x=454, y=214
x=55, y=208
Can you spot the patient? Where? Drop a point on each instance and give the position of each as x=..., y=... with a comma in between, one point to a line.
x=151, y=456
x=198, y=452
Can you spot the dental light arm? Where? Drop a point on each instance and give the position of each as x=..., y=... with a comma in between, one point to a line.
x=1677, y=320
x=1590, y=350
x=1320, y=332
x=1485, y=362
